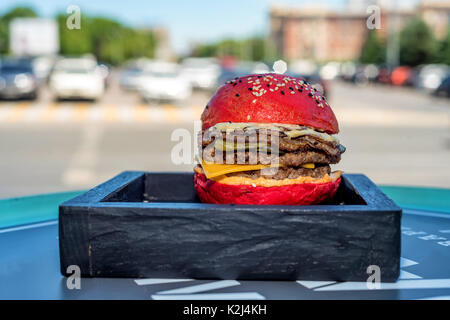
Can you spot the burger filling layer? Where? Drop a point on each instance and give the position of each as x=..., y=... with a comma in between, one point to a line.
x=268, y=154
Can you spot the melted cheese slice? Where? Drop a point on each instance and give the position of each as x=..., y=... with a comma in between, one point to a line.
x=267, y=182
x=213, y=170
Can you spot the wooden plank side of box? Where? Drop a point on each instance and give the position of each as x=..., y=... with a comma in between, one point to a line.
x=239, y=244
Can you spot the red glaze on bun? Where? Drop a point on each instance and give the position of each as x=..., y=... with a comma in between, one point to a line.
x=210, y=191
x=291, y=103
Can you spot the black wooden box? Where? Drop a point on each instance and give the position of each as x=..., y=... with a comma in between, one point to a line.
x=142, y=224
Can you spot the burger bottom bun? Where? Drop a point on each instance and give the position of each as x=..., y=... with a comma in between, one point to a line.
x=210, y=191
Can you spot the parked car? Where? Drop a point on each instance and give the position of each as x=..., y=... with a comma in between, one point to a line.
x=17, y=79
x=163, y=81
x=202, y=73
x=42, y=67
x=431, y=76
x=78, y=78
x=105, y=71
x=384, y=74
x=250, y=67
x=315, y=80
x=444, y=88
x=330, y=70
x=131, y=72
x=365, y=74
x=348, y=70
x=402, y=76
x=241, y=69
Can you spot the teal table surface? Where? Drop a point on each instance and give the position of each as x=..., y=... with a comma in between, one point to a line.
x=32, y=209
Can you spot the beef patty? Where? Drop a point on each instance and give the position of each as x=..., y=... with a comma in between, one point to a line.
x=290, y=150
x=290, y=159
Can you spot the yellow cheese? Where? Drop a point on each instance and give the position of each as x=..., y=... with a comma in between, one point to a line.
x=267, y=182
x=213, y=170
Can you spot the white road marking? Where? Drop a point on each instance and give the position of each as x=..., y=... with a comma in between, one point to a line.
x=202, y=287
x=80, y=172
x=401, y=284
x=156, y=114
x=146, y=282
x=406, y=262
x=125, y=113
x=211, y=296
x=64, y=112
x=96, y=113
x=34, y=112
x=314, y=284
x=29, y=226
x=404, y=275
x=5, y=110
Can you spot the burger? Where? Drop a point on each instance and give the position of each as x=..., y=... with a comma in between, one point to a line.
x=267, y=139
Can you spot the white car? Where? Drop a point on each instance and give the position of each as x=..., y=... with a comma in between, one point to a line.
x=201, y=72
x=77, y=78
x=163, y=81
x=431, y=76
x=131, y=72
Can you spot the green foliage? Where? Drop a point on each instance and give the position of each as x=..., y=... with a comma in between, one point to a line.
x=373, y=50
x=253, y=49
x=18, y=12
x=417, y=43
x=75, y=41
x=443, y=50
x=107, y=39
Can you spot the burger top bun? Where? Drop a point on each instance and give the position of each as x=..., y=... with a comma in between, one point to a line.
x=270, y=98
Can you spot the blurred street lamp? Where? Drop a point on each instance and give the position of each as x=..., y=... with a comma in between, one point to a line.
x=392, y=50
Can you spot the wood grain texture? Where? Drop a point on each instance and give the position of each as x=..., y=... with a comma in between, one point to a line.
x=109, y=234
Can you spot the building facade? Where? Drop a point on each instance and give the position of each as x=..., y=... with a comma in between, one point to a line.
x=321, y=34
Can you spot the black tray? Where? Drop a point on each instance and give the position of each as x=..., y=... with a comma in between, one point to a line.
x=142, y=224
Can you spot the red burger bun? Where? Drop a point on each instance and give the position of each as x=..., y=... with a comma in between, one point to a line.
x=210, y=191
x=290, y=103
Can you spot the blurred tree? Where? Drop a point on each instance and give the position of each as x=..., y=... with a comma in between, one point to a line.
x=253, y=49
x=17, y=12
x=373, y=50
x=443, y=50
x=205, y=50
x=417, y=43
x=107, y=39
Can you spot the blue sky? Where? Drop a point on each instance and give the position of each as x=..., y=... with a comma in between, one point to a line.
x=186, y=20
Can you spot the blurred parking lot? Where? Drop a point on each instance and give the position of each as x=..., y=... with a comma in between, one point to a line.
x=394, y=135
x=80, y=104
